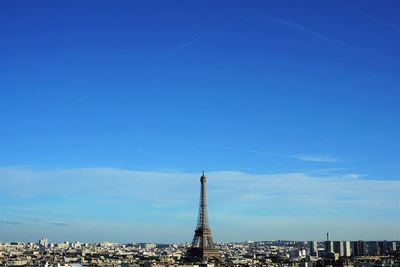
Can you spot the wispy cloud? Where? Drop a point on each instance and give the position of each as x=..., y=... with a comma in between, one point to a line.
x=136, y=199
x=10, y=222
x=254, y=151
x=157, y=188
x=199, y=38
x=316, y=158
x=61, y=224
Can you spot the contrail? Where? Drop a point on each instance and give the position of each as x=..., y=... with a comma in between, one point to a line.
x=301, y=157
x=374, y=19
x=307, y=31
x=199, y=38
x=300, y=28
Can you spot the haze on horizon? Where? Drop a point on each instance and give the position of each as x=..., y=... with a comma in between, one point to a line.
x=110, y=111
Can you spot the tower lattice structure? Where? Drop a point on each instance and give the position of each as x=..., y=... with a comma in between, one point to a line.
x=203, y=248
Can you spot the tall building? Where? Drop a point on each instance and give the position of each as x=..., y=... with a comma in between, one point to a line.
x=328, y=245
x=386, y=247
x=373, y=248
x=203, y=248
x=43, y=245
x=391, y=246
x=338, y=247
x=43, y=242
x=313, y=248
x=347, y=248
x=359, y=248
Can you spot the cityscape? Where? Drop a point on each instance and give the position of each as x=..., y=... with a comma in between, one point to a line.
x=229, y=133
x=249, y=253
x=202, y=251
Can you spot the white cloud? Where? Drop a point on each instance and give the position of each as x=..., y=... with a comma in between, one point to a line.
x=251, y=202
x=169, y=187
x=316, y=158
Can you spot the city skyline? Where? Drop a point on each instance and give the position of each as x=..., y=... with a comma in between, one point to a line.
x=110, y=111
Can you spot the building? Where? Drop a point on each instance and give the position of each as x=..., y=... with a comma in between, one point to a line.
x=328, y=245
x=374, y=248
x=43, y=243
x=347, y=248
x=149, y=246
x=338, y=247
x=359, y=248
x=386, y=247
x=313, y=248
x=392, y=246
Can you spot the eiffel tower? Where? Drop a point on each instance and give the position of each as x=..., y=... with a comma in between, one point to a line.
x=203, y=248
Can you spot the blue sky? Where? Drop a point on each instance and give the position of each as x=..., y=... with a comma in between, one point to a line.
x=110, y=110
